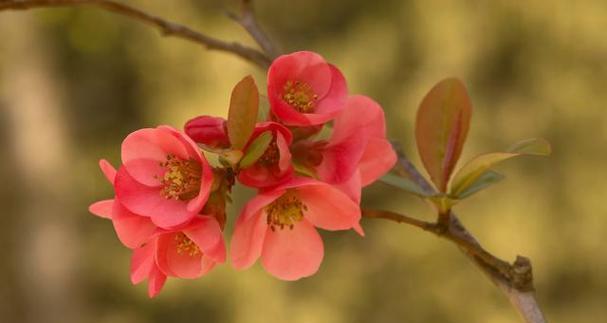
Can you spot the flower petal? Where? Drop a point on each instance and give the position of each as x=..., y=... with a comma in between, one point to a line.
x=142, y=262
x=174, y=263
x=156, y=281
x=108, y=170
x=379, y=157
x=206, y=233
x=133, y=230
x=328, y=207
x=291, y=254
x=102, y=209
x=340, y=159
x=335, y=98
x=147, y=201
x=152, y=145
x=351, y=187
x=247, y=240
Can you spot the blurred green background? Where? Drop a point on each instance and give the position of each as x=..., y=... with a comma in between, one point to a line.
x=74, y=82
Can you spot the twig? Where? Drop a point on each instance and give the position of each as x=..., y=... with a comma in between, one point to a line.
x=399, y=218
x=248, y=21
x=515, y=280
x=166, y=27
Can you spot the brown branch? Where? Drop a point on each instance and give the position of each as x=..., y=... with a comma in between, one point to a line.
x=248, y=21
x=515, y=280
x=167, y=28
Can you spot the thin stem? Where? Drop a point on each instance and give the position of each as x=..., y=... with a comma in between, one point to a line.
x=167, y=28
x=248, y=21
x=400, y=218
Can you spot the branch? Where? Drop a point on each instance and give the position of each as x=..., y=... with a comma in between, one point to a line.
x=515, y=280
x=248, y=21
x=167, y=28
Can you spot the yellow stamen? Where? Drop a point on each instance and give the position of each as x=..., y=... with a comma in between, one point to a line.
x=185, y=246
x=300, y=96
x=181, y=181
x=285, y=211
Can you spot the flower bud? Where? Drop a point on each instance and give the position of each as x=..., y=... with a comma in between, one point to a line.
x=209, y=131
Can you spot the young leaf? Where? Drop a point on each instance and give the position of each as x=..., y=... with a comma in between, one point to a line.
x=485, y=180
x=404, y=184
x=256, y=149
x=441, y=128
x=242, y=115
x=475, y=168
x=532, y=147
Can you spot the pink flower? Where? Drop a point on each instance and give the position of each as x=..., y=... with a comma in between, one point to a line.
x=303, y=89
x=274, y=166
x=132, y=230
x=209, y=131
x=164, y=176
x=190, y=253
x=279, y=226
x=357, y=153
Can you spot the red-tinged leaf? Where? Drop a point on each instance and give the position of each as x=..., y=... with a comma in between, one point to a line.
x=443, y=120
x=474, y=170
x=242, y=115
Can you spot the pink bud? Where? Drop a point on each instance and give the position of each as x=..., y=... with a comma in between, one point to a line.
x=210, y=131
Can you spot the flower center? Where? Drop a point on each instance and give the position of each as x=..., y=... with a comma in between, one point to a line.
x=181, y=181
x=271, y=156
x=300, y=96
x=285, y=211
x=185, y=246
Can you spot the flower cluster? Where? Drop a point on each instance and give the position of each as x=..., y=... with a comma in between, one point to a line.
x=308, y=160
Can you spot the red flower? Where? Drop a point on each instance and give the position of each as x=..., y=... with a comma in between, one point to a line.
x=357, y=153
x=303, y=89
x=274, y=166
x=280, y=227
x=190, y=252
x=164, y=176
x=209, y=131
x=132, y=230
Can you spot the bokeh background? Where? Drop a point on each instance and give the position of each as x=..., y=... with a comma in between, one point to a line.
x=74, y=82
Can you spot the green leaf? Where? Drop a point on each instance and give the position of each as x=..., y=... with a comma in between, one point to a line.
x=242, y=115
x=404, y=184
x=442, y=124
x=304, y=170
x=532, y=147
x=256, y=149
x=264, y=109
x=469, y=174
x=485, y=180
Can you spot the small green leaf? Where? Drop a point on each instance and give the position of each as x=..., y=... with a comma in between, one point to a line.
x=404, y=184
x=229, y=158
x=304, y=170
x=443, y=119
x=242, y=115
x=256, y=149
x=468, y=175
x=485, y=180
x=533, y=147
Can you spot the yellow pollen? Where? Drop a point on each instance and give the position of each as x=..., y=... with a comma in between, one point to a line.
x=271, y=155
x=285, y=211
x=185, y=246
x=181, y=181
x=300, y=96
